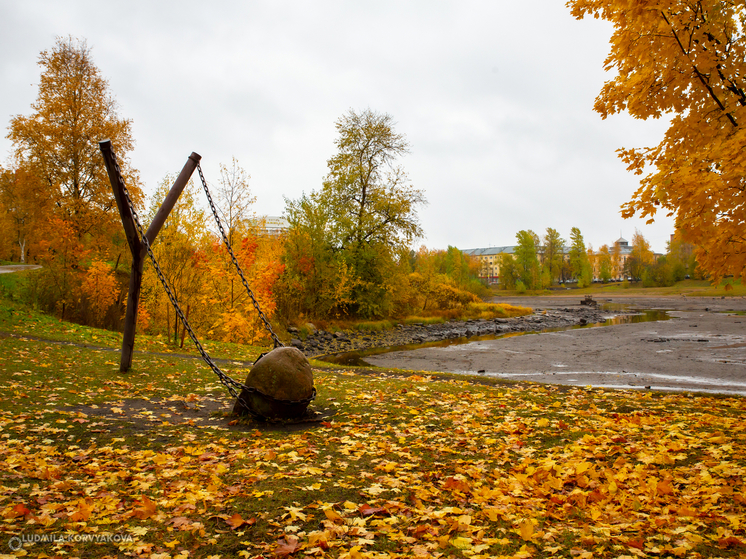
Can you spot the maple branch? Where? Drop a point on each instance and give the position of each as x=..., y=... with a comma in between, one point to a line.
x=699, y=74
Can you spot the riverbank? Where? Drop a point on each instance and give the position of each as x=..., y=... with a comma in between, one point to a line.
x=322, y=342
x=701, y=348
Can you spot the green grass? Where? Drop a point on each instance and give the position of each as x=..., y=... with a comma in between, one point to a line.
x=450, y=464
x=689, y=288
x=20, y=320
x=424, y=320
x=403, y=462
x=375, y=326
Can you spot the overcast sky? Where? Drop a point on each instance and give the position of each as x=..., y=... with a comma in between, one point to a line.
x=494, y=96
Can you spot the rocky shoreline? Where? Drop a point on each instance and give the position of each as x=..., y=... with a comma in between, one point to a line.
x=321, y=342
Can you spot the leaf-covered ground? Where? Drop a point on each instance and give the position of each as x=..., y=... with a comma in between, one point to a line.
x=147, y=464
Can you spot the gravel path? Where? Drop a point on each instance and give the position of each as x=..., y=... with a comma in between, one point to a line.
x=702, y=347
x=17, y=268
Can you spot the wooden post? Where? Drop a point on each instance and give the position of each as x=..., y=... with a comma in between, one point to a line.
x=137, y=248
x=183, y=329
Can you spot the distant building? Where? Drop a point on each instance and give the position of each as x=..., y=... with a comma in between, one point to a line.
x=489, y=269
x=273, y=225
x=625, y=251
x=619, y=269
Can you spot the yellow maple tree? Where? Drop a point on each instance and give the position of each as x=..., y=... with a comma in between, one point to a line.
x=686, y=59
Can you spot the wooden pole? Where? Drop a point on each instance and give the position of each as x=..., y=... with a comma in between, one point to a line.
x=137, y=248
x=183, y=329
x=172, y=196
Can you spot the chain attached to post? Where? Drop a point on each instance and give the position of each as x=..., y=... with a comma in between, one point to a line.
x=265, y=320
x=232, y=385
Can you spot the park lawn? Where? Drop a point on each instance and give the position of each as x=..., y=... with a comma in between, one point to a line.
x=18, y=319
x=149, y=464
x=687, y=288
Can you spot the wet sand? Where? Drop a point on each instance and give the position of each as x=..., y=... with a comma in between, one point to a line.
x=700, y=348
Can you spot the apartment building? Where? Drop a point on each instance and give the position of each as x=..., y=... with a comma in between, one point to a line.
x=489, y=269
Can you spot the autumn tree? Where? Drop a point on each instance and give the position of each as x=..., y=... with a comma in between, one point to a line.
x=179, y=250
x=604, y=263
x=686, y=59
x=233, y=197
x=617, y=268
x=55, y=150
x=553, y=253
x=592, y=259
x=641, y=256
x=680, y=256
x=59, y=140
x=233, y=200
x=443, y=279
x=369, y=207
x=316, y=280
x=507, y=270
x=423, y=278
x=579, y=264
x=25, y=203
x=526, y=260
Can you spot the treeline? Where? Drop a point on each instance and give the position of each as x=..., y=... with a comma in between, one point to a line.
x=347, y=254
x=542, y=262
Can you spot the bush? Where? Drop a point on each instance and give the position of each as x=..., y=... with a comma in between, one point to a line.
x=376, y=326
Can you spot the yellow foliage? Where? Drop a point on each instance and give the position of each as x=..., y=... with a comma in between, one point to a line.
x=100, y=289
x=687, y=60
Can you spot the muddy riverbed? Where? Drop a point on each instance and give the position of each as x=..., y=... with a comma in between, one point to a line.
x=700, y=347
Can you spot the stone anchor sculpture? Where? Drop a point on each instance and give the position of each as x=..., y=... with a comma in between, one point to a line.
x=280, y=386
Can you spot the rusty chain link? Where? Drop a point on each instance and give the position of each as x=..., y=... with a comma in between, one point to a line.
x=265, y=320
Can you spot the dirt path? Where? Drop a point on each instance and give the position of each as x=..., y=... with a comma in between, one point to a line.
x=17, y=268
x=702, y=347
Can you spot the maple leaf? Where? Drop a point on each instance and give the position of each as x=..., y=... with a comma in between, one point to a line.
x=179, y=522
x=333, y=516
x=456, y=485
x=146, y=508
x=367, y=510
x=286, y=546
x=731, y=541
x=17, y=510
x=296, y=513
x=461, y=542
x=82, y=512
x=236, y=521
x=526, y=529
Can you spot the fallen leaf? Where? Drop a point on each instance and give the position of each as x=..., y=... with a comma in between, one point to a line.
x=286, y=546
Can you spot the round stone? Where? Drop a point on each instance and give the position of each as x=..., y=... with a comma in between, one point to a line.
x=284, y=375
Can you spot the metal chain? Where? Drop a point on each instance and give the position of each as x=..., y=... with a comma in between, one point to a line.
x=265, y=320
x=231, y=384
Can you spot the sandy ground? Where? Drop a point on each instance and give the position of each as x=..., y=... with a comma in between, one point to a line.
x=702, y=347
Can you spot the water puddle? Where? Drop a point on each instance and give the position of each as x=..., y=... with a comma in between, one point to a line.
x=622, y=380
x=357, y=358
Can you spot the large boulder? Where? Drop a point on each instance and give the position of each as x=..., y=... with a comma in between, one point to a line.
x=282, y=383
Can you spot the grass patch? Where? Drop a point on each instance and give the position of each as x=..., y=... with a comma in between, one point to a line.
x=407, y=462
x=18, y=319
x=689, y=288
x=424, y=320
x=375, y=326
x=403, y=464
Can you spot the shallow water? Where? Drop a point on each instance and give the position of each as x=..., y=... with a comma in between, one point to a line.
x=357, y=358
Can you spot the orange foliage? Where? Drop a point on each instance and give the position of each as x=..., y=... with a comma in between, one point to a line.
x=100, y=289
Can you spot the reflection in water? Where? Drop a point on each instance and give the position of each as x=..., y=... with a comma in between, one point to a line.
x=357, y=358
